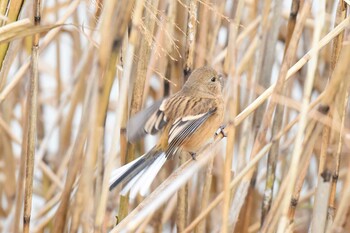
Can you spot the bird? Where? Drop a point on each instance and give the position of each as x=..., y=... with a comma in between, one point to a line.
x=186, y=120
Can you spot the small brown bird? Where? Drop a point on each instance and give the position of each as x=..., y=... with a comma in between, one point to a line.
x=187, y=120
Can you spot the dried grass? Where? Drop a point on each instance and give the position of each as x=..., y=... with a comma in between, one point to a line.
x=72, y=72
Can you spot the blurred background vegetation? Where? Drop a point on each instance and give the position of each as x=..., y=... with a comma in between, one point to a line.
x=72, y=72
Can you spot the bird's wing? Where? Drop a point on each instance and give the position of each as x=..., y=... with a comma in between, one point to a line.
x=183, y=128
x=147, y=121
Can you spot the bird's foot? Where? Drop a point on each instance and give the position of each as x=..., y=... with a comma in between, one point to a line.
x=193, y=155
x=221, y=131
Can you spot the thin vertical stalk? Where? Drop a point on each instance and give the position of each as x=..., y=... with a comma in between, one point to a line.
x=58, y=65
x=103, y=100
x=84, y=192
x=182, y=202
x=144, y=55
x=278, y=118
x=259, y=76
x=20, y=181
x=12, y=12
x=182, y=195
x=292, y=20
x=337, y=157
x=265, y=57
x=205, y=195
x=32, y=121
x=233, y=102
x=337, y=44
x=202, y=36
x=319, y=213
x=307, y=153
x=131, y=47
x=343, y=210
x=190, y=37
x=206, y=43
x=287, y=61
x=114, y=12
x=323, y=188
x=75, y=155
x=272, y=158
x=283, y=224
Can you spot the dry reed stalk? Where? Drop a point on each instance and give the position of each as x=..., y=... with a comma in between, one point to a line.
x=343, y=209
x=77, y=93
x=251, y=68
x=250, y=166
x=9, y=189
x=178, y=21
x=75, y=156
x=58, y=66
x=131, y=47
x=124, y=117
x=260, y=76
x=322, y=192
x=182, y=211
x=308, y=150
x=84, y=190
x=205, y=195
x=212, y=40
x=144, y=59
x=10, y=9
x=191, y=32
x=20, y=181
x=283, y=224
x=6, y=129
x=246, y=65
x=308, y=146
x=337, y=46
x=270, y=41
x=105, y=84
x=3, y=8
x=344, y=96
x=323, y=185
x=291, y=21
x=12, y=193
x=75, y=99
x=32, y=122
x=123, y=135
x=113, y=12
x=206, y=44
x=44, y=43
x=202, y=40
x=339, y=72
x=260, y=138
x=233, y=105
x=271, y=221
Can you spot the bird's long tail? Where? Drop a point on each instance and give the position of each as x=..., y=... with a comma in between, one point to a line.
x=138, y=175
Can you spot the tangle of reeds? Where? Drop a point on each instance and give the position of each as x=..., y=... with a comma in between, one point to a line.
x=73, y=72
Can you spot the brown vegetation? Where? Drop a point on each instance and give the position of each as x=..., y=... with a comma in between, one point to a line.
x=72, y=72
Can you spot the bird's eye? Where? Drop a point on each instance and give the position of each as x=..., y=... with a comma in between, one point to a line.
x=213, y=79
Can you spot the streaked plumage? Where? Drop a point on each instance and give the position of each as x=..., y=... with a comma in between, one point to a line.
x=187, y=120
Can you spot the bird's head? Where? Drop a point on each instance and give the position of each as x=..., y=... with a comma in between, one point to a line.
x=205, y=80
